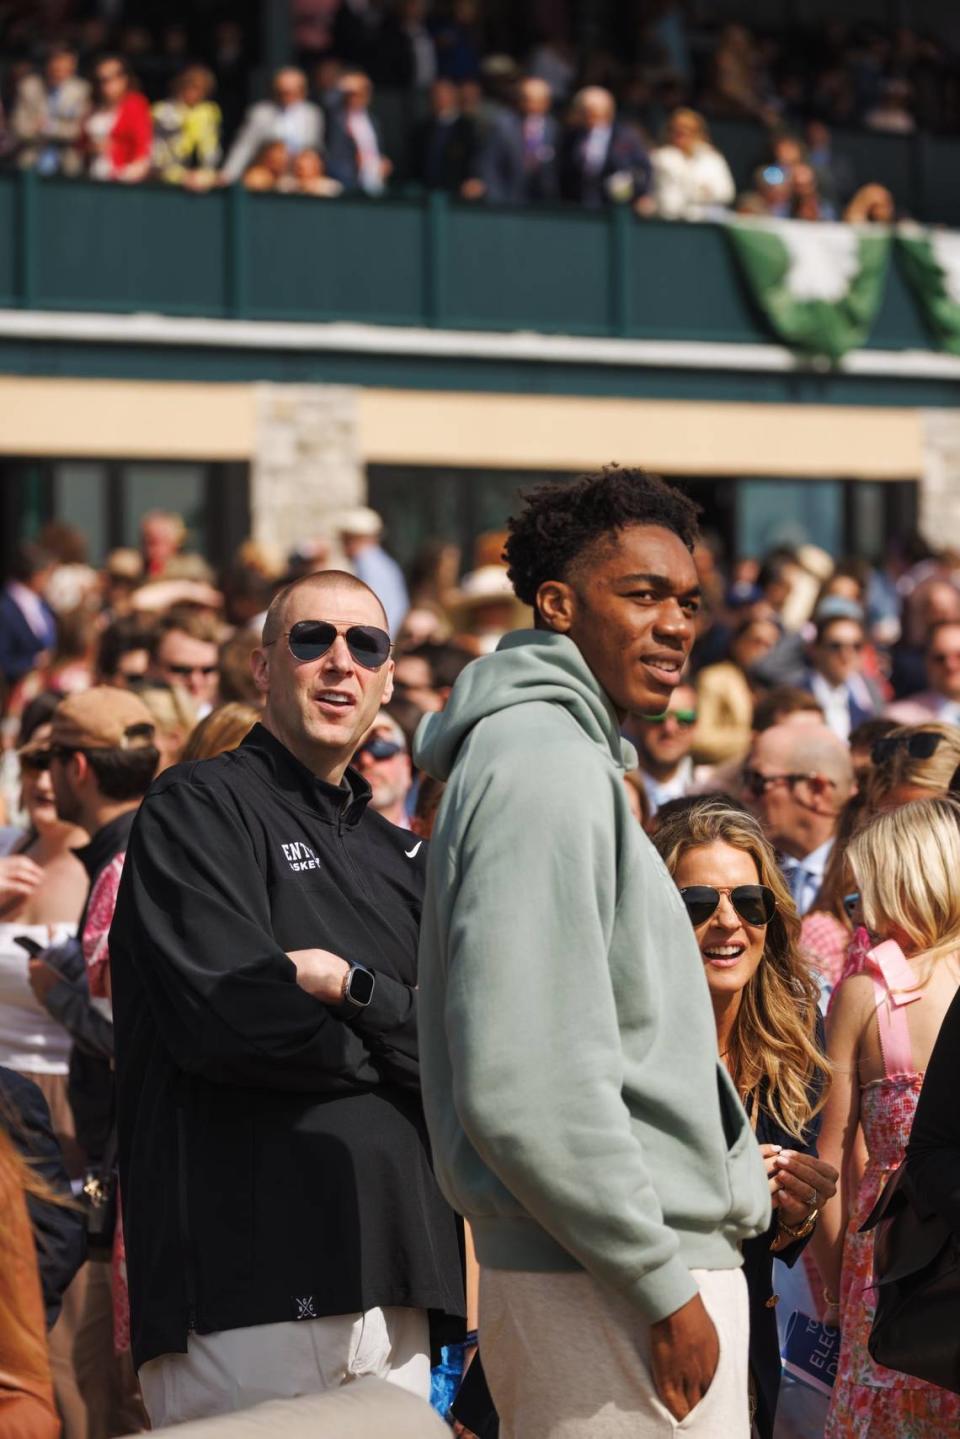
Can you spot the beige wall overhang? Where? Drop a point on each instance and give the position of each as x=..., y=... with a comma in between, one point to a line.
x=164, y=420
x=674, y=437
x=126, y=419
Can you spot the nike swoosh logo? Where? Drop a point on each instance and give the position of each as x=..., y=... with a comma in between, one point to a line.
x=412, y=853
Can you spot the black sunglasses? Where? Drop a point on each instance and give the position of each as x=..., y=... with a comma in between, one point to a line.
x=757, y=784
x=309, y=639
x=185, y=671
x=754, y=903
x=378, y=748
x=36, y=762
x=918, y=746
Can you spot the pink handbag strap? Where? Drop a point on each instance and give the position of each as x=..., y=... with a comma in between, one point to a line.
x=894, y=985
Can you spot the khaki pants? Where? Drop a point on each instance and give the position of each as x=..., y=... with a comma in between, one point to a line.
x=567, y=1358
x=367, y=1408
x=234, y=1369
x=107, y=1380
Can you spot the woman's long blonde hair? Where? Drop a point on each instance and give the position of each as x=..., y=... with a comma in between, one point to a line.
x=906, y=863
x=773, y=1045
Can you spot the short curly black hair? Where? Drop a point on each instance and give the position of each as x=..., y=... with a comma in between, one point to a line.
x=560, y=521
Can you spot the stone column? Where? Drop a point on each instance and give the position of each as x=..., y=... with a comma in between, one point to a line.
x=940, y=485
x=306, y=464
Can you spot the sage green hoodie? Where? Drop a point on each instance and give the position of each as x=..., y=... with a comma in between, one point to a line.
x=578, y=1113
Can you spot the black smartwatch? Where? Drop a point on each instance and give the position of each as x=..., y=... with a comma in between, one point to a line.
x=358, y=986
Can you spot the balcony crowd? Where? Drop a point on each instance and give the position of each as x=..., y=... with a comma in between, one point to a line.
x=543, y=121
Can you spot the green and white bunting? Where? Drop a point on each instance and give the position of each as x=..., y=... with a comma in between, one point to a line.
x=930, y=261
x=819, y=285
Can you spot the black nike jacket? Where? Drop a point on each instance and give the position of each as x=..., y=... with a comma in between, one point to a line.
x=274, y=1163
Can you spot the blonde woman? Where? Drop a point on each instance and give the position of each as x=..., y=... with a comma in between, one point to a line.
x=765, y=1005
x=175, y=716
x=913, y=762
x=881, y=1031
x=221, y=730
x=691, y=177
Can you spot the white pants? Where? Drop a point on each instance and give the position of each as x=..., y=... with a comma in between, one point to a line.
x=568, y=1358
x=234, y=1369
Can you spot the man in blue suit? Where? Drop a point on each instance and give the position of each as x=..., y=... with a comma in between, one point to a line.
x=27, y=625
x=834, y=674
x=518, y=162
x=354, y=151
x=604, y=160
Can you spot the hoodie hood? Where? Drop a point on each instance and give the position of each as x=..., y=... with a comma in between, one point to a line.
x=528, y=667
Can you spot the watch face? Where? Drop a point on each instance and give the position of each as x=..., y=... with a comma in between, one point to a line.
x=360, y=987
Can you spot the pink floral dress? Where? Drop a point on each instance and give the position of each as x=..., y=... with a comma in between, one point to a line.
x=870, y=1402
x=96, y=952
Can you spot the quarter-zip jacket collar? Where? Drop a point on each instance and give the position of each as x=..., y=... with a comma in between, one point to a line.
x=343, y=804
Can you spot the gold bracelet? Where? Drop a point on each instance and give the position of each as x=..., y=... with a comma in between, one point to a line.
x=801, y=1231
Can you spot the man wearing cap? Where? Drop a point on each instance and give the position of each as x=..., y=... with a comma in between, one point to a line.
x=834, y=675
x=102, y=759
x=384, y=761
x=361, y=531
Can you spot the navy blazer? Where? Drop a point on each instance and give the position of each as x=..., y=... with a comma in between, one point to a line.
x=858, y=712
x=502, y=163
x=19, y=646
x=342, y=157
x=626, y=154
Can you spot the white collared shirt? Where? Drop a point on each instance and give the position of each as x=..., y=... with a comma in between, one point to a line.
x=676, y=787
x=834, y=700
x=364, y=136
x=595, y=150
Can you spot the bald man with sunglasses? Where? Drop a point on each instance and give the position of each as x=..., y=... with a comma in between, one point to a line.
x=284, y=1229
x=797, y=779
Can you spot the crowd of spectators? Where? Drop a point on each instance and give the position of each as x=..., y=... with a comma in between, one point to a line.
x=819, y=692
x=622, y=118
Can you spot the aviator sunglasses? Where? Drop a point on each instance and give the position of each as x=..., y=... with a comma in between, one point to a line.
x=379, y=748
x=754, y=903
x=309, y=639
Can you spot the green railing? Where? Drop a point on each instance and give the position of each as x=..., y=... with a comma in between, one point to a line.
x=80, y=246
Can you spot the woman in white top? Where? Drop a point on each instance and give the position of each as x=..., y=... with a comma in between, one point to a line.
x=691, y=178
x=46, y=909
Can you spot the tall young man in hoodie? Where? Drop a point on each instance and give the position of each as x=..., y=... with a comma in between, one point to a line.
x=578, y=1113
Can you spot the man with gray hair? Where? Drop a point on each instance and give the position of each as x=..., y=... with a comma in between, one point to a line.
x=289, y=118
x=604, y=159
x=797, y=778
